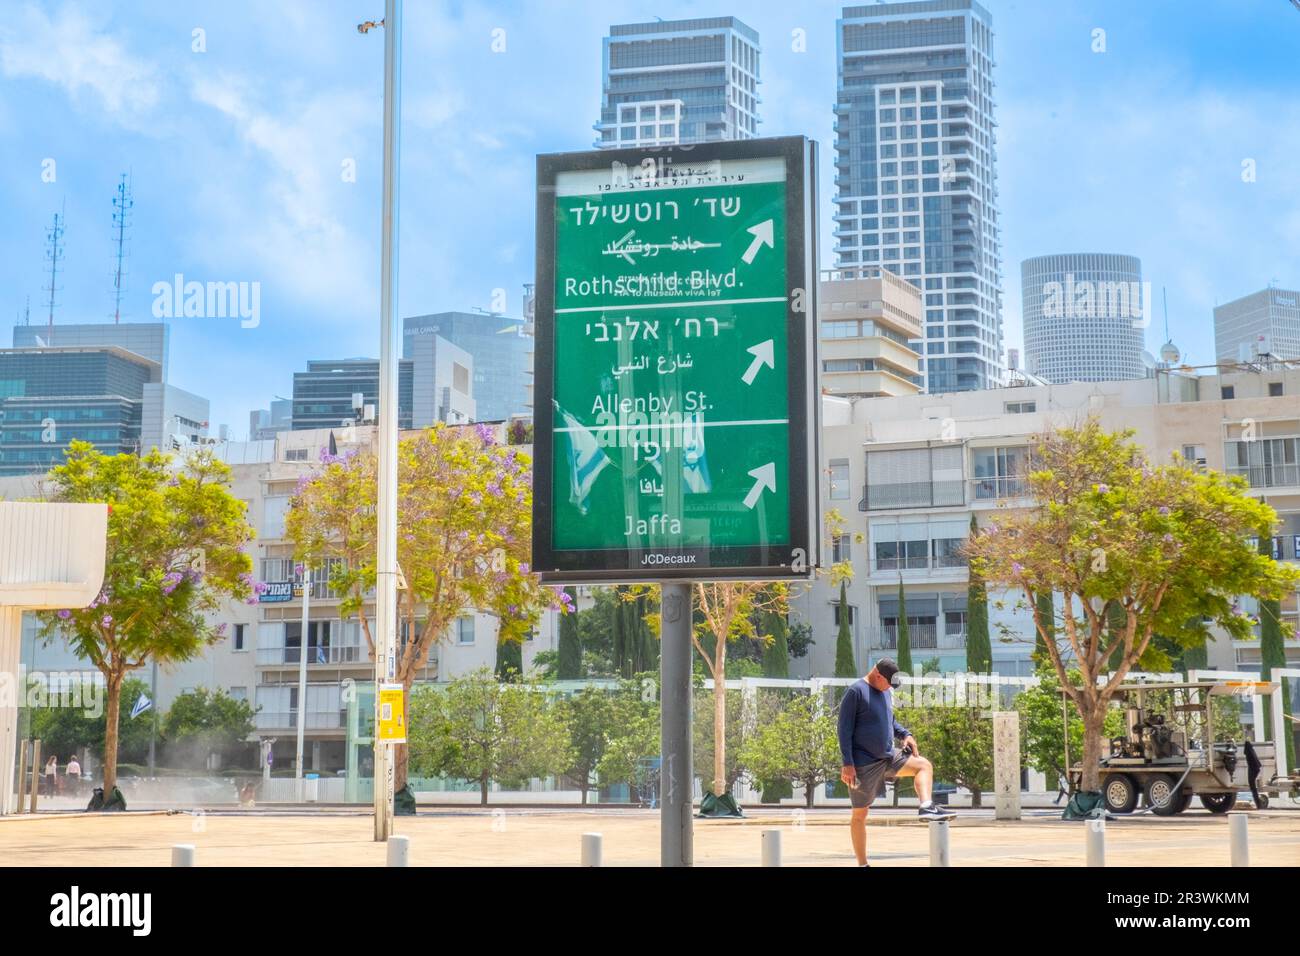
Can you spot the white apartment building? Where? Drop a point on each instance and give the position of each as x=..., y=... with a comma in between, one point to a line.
x=868, y=320
x=906, y=473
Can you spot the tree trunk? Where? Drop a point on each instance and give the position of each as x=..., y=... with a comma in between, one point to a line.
x=809, y=791
x=719, y=735
x=114, y=689
x=1092, y=724
x=584, y=796
x=976, y=798
x=482, y=791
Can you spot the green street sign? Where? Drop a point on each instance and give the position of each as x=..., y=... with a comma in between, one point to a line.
x=676, y=414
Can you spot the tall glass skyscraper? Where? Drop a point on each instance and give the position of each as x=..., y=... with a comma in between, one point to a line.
x=1085, y=316
x=916, y=182
x=679, y=81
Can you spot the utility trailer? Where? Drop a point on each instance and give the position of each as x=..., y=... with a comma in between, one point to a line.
x=1168, y=752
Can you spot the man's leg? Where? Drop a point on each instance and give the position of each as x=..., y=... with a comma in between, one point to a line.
x=923, y=773
x=858, y=829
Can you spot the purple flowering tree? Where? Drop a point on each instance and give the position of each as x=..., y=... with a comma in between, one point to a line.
x=1136, y=550
x=175, y=552
x=464, y=538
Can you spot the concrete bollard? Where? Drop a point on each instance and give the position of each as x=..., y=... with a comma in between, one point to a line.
x=399, y=850
x=1096, y=842
x=1238, y=839
x=771, y=848
x=939, y=843
x=182, y=854
x=591, y=849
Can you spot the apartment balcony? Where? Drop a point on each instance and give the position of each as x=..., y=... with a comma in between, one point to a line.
x=335, y=656
x=998, y=488
x=948, y=569
x=1277, y=476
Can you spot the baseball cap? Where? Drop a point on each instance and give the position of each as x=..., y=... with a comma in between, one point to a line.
x=888, y=669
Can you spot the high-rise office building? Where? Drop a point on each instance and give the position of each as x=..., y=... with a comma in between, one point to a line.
x=50, y=397
x=679, y=81
x=916, y=181
x=263, y=423
x=169, y=416
x=1264, y=322
x=501, y=352
x=1085, y=316
x=434, y=385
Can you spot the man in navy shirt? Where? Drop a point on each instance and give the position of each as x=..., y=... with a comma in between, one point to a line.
x=867, y=731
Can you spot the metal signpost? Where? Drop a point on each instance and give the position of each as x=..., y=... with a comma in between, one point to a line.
x=676, y=415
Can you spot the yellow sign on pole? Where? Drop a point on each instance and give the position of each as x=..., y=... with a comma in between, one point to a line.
x=392, y=714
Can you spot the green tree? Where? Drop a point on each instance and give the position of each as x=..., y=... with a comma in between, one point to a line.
x=1166, y=542
x=1272, y=654
x=569, y=666
x=845, y=665
x=633, y=737
x=958, y=741
x=1043, y=712
x=979, y=649
x=482, y=730
x=202, y=722
x=464, y=538
x=799, y=745
x=590, y=715
x=904, y=659
x=64, y=730
x=175, y=552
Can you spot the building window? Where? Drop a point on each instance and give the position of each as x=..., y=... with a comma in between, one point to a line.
x=465, y=629
x=1274, y=389
x=1227, y=391
x=239, y=693
x=237, y=637
x=1019, y=408
x=1194, y=455
x=841, y=548
x=836, y=613
x=295, y=454
x=839, y=479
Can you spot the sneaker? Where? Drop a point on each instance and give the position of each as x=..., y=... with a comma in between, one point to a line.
x=932, y=812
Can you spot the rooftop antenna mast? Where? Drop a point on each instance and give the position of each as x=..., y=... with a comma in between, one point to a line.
x=54, y=252
x=1164, y=298
x=122, y=204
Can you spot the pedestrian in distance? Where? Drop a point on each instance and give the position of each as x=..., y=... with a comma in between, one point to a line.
x=51, y=775
x=73, y=774
x=868, y=731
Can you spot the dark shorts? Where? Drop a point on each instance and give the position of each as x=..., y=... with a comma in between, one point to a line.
x=872, y=777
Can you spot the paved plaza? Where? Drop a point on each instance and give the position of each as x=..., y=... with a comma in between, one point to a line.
x=544, y=837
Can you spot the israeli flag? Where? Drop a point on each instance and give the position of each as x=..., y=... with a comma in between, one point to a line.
x=142, y=703
x=586, y=460
x=695, y=466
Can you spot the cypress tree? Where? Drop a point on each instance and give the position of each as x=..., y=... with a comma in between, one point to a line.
x=510, y=660
x=904, y=660
x=1272, y=653
x=1047, y=616
x=844, y=663
x=776, y=656
x=569, y=665
x=979, y=650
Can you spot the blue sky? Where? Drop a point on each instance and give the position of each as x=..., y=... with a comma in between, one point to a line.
x=237, y=154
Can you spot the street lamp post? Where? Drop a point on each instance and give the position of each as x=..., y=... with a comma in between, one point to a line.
x=386, y=563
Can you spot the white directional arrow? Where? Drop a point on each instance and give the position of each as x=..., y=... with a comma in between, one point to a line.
x=764, y=354
x=763, y=236
x=764, y=477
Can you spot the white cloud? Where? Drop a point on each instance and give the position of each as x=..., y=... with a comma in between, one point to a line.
x=70, y=51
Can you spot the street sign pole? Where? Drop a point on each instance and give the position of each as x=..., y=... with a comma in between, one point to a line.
x=676, y=768
x=386, y=564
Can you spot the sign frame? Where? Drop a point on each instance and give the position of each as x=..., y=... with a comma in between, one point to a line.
x=796, y=559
